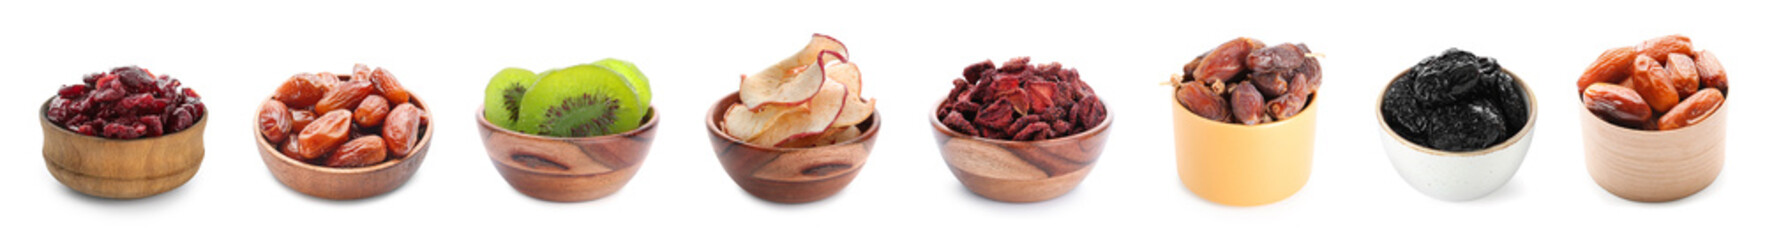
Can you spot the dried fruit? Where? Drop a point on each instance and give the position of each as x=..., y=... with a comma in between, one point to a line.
x=1710, y=72
x=1652, y=83
x=125, y=103
x=344, y=97
x=1612, y=66
x=300, y=118
x=387, y=85
x=1274, y=82
x=371, y=111
x=274, y=120
x=1616, y=104
x=401, y=129
x=1682, y=72
x=814, y=98
x=1694, y=110
x=1022, y=102
x=361, y=152
x=304, y=89
x=1660, y=47
x=1456, y=101
x=323, y=135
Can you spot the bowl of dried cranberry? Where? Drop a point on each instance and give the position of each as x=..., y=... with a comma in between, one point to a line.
x=123, y=134
x=1020, y=132
x=370, y=139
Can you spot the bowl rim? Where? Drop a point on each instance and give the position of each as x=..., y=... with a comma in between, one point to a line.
x=1531, y=120
x=43, y=117
x=428, y=134
x=1108, y=121
x=651, y=120
x=711, y=124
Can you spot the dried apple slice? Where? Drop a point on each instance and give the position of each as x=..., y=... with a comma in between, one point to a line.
x=744, y=123
x=792, y=81
x=819, y=117
x=856, y=109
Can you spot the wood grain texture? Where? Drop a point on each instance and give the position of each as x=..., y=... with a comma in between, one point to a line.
x=1021, y=171
x=567, y=169
x=1655, y=166
x=121, y=169
x=346, y=183
x=790, y=175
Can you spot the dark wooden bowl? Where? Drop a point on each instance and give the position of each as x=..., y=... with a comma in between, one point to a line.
x=346, y=183
x=1021, y=171
x=567, y=169
x=790, y=175
x=121, y=169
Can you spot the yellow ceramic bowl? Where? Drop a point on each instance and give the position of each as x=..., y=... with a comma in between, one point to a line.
x=1654, y=166
x=1243, y=165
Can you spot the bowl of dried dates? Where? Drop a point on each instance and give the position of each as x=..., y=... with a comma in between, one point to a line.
x=1457, y=125
x=1654, y=125
x=1021, y=132
x=1245, y=121
x=798, y=131
x=123, y=134
x=343, y=137
x=571, y=134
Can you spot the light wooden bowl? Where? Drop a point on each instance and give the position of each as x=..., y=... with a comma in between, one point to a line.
x=790, y=175
x=346, y=183
x=1244, y=165
x=1457, y=176
x=567, y=169
x=121, y=169
x=1022, y=171
x=1654, y=166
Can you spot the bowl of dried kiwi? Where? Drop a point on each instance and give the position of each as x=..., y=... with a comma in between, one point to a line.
x=571, y=134
x=1457, y=125
x=1245, y=120
x=1654, y=122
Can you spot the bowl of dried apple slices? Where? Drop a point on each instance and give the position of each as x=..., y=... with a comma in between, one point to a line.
x=798, y=131
x=1019, y=132
x=571, y=134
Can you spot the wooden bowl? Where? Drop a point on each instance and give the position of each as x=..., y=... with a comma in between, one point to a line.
x=790, y=175
x=1655, y=166
x=567, y=169
x=121, y=169
x=1021, y=171
x=1458, y=176
x=1244, y=165
x=346, y=183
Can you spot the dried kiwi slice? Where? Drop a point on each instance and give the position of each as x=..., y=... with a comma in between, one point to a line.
x=636, y=78
x=502, y=99
x=579, y=101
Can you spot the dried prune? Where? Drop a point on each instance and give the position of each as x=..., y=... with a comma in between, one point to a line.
x=1682, y=72
x=1612, y=66
x=323, y=135
x=1652, y=83
x=274, y=120
x=400, y=130
x=1456, y=101
x=360, y=152
x=1616, y=104
x=1694, y=110
x=371, y=111
x=1710, y=72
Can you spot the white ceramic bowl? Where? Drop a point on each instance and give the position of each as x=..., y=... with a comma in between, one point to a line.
x=1458, y=176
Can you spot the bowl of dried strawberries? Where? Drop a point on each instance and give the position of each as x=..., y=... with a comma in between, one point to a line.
x=1020, y=132
x=1245, y=120
x=1654, y=122
x=343, y=137
x=123, y=134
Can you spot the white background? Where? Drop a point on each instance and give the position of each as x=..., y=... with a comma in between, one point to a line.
x=235, y=52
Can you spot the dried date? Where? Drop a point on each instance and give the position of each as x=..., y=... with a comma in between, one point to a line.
x=274, y=121
x=1694, y=110
x=1247, y=104
x=344, y=97
x=323, y=135
x=371, y=111
x=1710, y=72
x=1195, y=96
x=1611, y=66
x=1616, y=104
x=360, y=152
x=1653, y=83
x=401, y=129
x=1682, y=72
